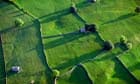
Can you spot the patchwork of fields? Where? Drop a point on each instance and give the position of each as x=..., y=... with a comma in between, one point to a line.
x=50, y=39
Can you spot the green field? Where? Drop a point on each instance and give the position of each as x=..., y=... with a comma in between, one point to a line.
x=50, y=39
x=22, y=47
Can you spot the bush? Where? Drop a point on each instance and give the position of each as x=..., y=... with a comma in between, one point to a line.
x=128, y=45
x=56, y=73
x=125, y=44
x=19, y=22
x=73, y=8
x=108, y=45
x=123, y=39
x=137, y=10
x=91, y=27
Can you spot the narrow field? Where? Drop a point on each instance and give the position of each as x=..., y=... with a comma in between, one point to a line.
x=22, y=47
x=113, y=74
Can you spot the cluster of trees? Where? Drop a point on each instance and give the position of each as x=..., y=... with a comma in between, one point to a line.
x=125, y=43
x=108, y=45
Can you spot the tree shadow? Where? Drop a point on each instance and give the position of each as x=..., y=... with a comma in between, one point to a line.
x=54, y=16
x=123, y=17
x=59, y=14
x=59, y=35
x=110, y=56
x=66, y=38
x=78, y=60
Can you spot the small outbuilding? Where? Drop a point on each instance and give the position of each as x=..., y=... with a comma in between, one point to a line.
x=82, y=30
x=16, y=69
x=92, y=1
x=88, y=28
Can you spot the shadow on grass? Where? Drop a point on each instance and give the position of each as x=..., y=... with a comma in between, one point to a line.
x=13, y=28
x=11, y=73
x=61, y=13
x=80, y=76
x=83, y=4
x=135, y=67
x=123, y=17
x=40, y=52
x=10, y=10
x=79, y=18
x=123, y=73
x=99, y=39
x=4, y=4
x=80, y=59
x=66, y=38
x=2, y=65
x=16, y=29
x=54, y=16
x=60, y=35
x=121, y=46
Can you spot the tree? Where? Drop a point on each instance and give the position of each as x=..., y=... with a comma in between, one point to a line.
x=73, y=8
x=125, y=43
x=56, y=74
x=137, y=10
x=123, y=39
x=19, y=22
x=91, y=27
x=108, y=45
x=128, y=45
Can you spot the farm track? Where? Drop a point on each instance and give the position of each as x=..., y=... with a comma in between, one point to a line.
x=2, y=65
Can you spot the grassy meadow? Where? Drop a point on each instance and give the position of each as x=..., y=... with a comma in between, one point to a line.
x=51, y=40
